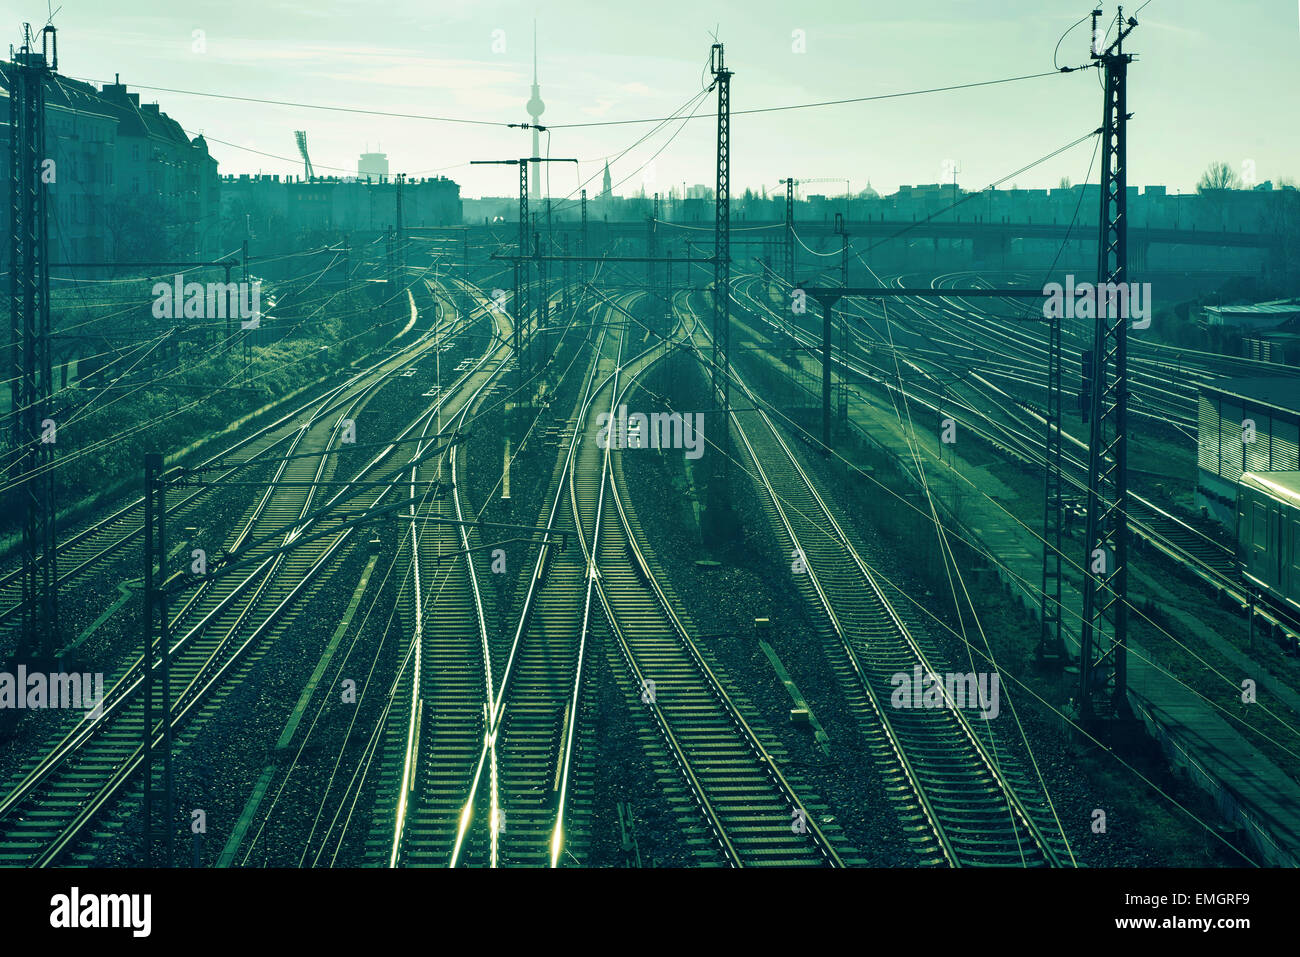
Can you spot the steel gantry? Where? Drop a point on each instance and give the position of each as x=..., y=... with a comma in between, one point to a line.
x=1103, y=667
x=829, y=296
x=519, y=304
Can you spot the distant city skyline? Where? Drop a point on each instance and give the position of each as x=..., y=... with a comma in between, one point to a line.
x=474, y=62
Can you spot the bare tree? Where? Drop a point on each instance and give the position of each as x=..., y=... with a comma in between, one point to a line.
x=1064, y=183
x=1218, y=175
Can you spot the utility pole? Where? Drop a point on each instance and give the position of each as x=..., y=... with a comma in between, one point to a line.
x=544, y=311
x=158, y=822
x=1051, y=645
x=844, y=249
x=31, y=374
x=844, y=282
x=229, y=317
x=1103, y=666
x=468, y=302
x=583, y=250
x=650, y=250
x=392, y=269
x=828, y=326
x=564, y=251
x=401, y=247
x=789, y=231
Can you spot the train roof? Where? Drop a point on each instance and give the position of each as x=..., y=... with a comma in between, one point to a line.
x=1283, y=486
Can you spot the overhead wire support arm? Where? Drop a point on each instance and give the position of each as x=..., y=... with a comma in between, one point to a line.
x=181, y=472
x=605, y=259
x=829, y=296
x=226, y=564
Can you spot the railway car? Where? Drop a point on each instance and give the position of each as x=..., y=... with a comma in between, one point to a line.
x=1268, y=535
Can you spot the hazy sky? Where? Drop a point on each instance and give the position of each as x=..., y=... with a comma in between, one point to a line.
x=1213, y=81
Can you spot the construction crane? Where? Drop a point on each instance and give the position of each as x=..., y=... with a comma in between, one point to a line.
x=301, y=137
x=823, y=179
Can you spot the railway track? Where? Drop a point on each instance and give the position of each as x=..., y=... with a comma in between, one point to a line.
x=448, y=693
x=222, y=626
x=1014, y=429
x=90, y=547
x=961, y=803
x=449, y=671
x=514, y=814
x=752, y=811
x=527, y=784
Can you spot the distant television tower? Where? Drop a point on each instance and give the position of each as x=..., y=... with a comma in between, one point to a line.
x=535, y=109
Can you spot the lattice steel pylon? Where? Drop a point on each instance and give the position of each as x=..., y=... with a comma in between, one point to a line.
x=1103, y=670
x=722, y=247
x=31, y=380
x=521, y=273
x=720, y=524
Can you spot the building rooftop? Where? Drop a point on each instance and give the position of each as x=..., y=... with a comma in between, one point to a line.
x=1277, y=392
x=1276, y=307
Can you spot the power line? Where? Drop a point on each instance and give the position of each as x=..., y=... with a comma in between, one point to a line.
x=562, y=126
x=822, y=103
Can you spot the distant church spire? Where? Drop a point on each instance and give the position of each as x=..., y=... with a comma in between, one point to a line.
x=606, y=187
